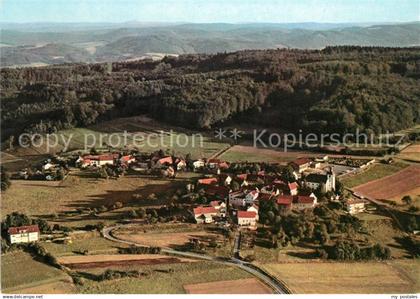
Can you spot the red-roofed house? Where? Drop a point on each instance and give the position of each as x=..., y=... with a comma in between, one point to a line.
x=246, y=218
x=97, y=160
x=285, y=201
x=127, y=159
x=204, y=214
x=302, y=202
x=23, y=234
x=165, y=161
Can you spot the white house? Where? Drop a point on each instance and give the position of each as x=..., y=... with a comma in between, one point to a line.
x=204, y=214
x=253, y=208
x=246, y=218
x=198, y=164
x=23, y=234
x=220, y=206
x=355, y=206
x=96, y=160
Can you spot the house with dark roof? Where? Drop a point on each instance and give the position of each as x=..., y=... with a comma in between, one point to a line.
x=326, y=182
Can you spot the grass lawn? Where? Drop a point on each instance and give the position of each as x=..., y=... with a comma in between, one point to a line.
x=94, y=245
x=19, y=269
x=38, y=198
x=159, y=282
x=369, y=277
x=374, y=172
x=251, y=154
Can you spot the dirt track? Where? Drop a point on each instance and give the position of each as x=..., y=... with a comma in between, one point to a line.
x=103, y=261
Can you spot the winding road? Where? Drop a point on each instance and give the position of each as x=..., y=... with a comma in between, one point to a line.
x=278, y=286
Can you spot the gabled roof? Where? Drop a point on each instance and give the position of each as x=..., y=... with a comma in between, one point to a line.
x=242, y=176
x=207, y=181
x=23, y=229
x=303, y=199
x=284, y=199
x=126, y=158
x=292, y=186
x=247, y=214
x=217, y=161
x=204, y=210
x=165, y=160
x=301, y=161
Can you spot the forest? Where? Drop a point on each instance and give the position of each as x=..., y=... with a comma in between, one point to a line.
x=334, y=90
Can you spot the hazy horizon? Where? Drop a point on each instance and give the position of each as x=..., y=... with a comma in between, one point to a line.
x=218, y=11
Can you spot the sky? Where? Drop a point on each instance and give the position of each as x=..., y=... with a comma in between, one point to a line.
x=210, y=11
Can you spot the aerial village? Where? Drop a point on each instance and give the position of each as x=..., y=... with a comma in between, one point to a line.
x=229, y=194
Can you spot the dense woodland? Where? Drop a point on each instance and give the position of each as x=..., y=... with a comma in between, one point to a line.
x=338, y=89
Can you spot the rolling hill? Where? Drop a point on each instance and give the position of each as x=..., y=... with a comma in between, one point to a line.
x=112, y=43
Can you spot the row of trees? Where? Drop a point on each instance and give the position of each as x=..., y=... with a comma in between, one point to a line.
x=335, y=90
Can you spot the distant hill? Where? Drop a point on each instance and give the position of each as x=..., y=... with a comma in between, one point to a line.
x=108, y=42
x=44, y=54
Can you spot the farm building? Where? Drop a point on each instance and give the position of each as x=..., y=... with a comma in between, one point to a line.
x=23, y=234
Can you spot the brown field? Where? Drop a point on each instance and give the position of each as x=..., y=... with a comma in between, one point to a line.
x=163, y=239
x=414, y=148
x=415, y=194
x=120, y=260
x=357, y=278
x=391, y=186
x=411, y=152
x=239, y=286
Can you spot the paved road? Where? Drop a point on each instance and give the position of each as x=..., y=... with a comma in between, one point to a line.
x=278, y=286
